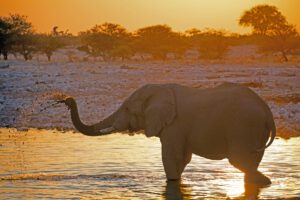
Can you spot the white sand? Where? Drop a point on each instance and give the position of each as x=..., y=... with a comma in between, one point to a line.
x=100, y=87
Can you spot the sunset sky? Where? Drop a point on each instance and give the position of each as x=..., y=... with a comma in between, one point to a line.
x=79, y=15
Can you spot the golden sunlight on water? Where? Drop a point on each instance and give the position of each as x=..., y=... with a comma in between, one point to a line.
x=50, y=164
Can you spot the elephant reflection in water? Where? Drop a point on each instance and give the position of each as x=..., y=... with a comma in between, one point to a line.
x=228, y=121
x=175, y=190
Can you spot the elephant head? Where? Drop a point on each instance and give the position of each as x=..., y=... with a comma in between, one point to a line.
x=150, y=108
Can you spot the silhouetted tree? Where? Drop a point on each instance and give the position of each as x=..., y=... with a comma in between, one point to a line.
x=210, y=43
x=5, y=37
x=263, y=19
x=284, y=40
x=179, y=44
x=192, y=32
x=26, y=45
x=16, y=35
x=110, y=29
x=48, y=43
x=272, y=28
x=106, y=40
x=156, y=40
x=123, y=51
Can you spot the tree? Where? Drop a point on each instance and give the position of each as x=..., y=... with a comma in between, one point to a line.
x=263, y=19
x=156, y=40
x=25, y=45
x=110, y=29
x=268, y=23
x=48, y=43
x=106, y=40
x=5, y=37
x=284, y=40
x=16, y=35
x=179, y=44
x=210, y=43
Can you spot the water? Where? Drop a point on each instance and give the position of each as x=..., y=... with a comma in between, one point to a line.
x=49, y=164
x=46, y=101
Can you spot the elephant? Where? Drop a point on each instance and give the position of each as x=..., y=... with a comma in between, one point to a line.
x=227, y=121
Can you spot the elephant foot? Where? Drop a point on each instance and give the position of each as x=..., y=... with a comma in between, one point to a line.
x=257, y=178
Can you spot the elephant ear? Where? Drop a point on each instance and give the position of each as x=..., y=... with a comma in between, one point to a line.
x=159, y=108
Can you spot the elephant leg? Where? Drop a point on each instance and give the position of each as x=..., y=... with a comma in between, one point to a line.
x=247, y=161
x=243, y=138
x=174, y=164
x=175, y=157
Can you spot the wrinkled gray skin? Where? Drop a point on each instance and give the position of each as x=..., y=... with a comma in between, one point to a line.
x=229, y=121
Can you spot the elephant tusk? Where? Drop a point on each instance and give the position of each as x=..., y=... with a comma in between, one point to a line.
x=107, y=130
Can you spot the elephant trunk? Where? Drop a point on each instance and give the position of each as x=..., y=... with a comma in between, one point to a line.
x=102, y=128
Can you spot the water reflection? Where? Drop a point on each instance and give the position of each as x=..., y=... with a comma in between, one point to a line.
x=252, y=191
x=48, y=164
x=176, y=190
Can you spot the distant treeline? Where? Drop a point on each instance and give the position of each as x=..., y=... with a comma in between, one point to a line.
x=270, y=32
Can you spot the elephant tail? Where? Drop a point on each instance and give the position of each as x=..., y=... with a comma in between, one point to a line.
x=270, y=128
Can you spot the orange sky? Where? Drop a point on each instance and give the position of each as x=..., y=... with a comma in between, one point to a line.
x=79, y=15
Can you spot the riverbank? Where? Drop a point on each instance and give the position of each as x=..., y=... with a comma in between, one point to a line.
x=99, y=87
